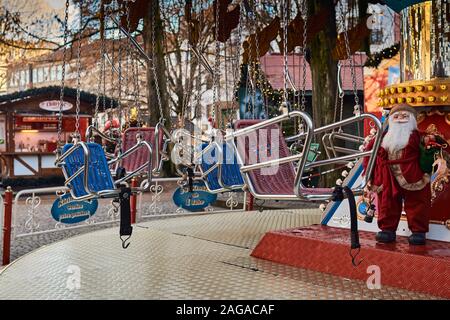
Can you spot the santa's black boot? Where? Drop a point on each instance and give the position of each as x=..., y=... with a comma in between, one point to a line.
x=385, y=236
x=417, y=239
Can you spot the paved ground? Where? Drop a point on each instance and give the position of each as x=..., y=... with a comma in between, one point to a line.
x=193, y=257
x=31, y=222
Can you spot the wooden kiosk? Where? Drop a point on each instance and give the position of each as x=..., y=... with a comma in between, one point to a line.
x=29, y=130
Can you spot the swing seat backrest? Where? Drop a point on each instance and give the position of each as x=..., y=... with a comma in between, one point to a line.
x=99, y=177
x=279, y=181
x=231, y=175
x=139, y=158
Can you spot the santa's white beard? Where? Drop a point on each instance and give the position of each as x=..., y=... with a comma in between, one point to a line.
x=398, y=135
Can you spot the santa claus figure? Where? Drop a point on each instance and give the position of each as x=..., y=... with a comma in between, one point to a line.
x=399, y=180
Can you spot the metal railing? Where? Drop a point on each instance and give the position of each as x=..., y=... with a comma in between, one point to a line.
x=31, y=225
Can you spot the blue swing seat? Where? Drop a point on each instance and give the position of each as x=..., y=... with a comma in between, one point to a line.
x=231, y=174
x=99, y=178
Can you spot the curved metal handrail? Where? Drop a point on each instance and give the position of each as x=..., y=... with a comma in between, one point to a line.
x=149, y=164
x=216, y=145
x=301, y=192
x=305, y=193
x=245, y=169
x=91, y=129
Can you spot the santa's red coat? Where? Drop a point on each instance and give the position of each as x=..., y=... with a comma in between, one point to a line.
x=409, y=162
x=392, y=194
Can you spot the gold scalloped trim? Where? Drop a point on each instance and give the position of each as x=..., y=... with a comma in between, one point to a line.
x=417, y=93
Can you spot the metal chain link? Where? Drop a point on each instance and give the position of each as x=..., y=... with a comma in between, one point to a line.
x=257, y=70
x=134, y=73
x=349, y=57
x=216, y=76
x=339, y=93
x=137, y=102
x=128, y=50
x=225, y=57
x=112, y=59
x=101, y=76
x=186, y=106
x=119, y=77
x=153, y=67
x=63, y=75
x=199, y=69
x=236, y=68
x=305, y=28
x=77, y=111
x=285, y=18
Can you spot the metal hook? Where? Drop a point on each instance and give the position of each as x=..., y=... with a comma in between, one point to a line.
x=354, y=263
x=260, y=205
x=124, y=244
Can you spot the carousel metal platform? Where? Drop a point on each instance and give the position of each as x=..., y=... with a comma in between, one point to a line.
x=193, y=257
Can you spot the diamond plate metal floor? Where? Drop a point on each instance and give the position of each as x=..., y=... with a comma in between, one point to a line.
x=194, y=257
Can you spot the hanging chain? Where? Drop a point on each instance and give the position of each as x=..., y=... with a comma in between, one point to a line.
x=102, y=70
x=198, y=89
x=339, y=97
x=305, y=28
x=237, y=68
x=350, y=58
x=185, y=108
x=113, y=58
x=284, y=10
x=238, y=47
x=77, y=119
x=128, y=50
x=137, y=102
x=341, y=93
x=226, y=62
x=153, y=67
x=63, y=76
x=119, y=76
x=216, y=75
x=103, y=49
x=198, y=85
x=198, y=110
x=256, y=70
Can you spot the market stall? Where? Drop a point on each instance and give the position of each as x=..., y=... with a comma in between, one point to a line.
x=29, y=129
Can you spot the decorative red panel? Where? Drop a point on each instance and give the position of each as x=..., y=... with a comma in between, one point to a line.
x=325, y=249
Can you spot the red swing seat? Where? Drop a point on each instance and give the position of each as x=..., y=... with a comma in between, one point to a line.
x=138, y=159
x=282, y=182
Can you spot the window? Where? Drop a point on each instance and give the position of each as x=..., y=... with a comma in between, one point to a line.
x=23, y=78
x=46, y=74
x=53, y=73
x=59, y=72
x=40, y=76
x=35, y=79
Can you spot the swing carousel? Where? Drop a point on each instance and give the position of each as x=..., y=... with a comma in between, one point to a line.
x=254, y=153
